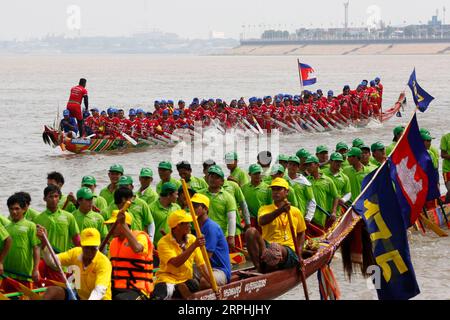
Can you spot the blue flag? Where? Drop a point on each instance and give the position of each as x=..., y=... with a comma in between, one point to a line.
x=421, y=98
x=380, y=211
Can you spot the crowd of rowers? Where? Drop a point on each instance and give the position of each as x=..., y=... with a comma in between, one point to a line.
x=360, y=103
x=245, y=208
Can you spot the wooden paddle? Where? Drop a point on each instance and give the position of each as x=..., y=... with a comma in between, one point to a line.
x=212, y=280
x=110, y=233
x=20, y=287
x=435, y=228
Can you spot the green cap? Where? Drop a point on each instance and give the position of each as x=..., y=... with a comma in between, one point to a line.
x=116, y=168
x=167, y=187
x=354, y=151
x=276, y=168
x=311, y=159
x=426, y=136
x=254, y=168
x=377, y=146
x=302, y=153
x=283, y=157
x=364, y=146
x=88, y=181
x=146, y=172
x=165, y=165
x=357, y=143
x=398, y=130
x=321, y=149
x=341, y=145
x=336, y=156
x=294, y=159
x=85, y=193
x=231, y=156
x=125, y=181
x=217, y=170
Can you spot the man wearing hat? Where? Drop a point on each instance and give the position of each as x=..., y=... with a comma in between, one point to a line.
x=216, y=244
x=222, y=208
x=340, y=180
x=434, y=152
x=278, y=171
x=322, y=155
x=185, y=171
x=131, y=255
x=100, y=203
x=283, y=160
x=274, y=249
x=445, y=154
x=325, y=194
x=236, y=174
x=366, y=157
x=165, y=172
x=302, y=155
x=398, y=131
x=358, y=142
x=356, y=171
x=342, y=148
x=145, y=191
x=85, y=216
x=378, y=153
x=93, y=268
x=68, y=125
x=114, y=174
x=178, y=251
x=162, y=208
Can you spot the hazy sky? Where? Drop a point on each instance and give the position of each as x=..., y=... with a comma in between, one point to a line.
x=24, y=19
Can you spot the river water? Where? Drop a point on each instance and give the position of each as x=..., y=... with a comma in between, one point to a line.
x=33, y=86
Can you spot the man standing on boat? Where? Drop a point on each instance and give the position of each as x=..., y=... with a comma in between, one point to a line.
x=77, y=94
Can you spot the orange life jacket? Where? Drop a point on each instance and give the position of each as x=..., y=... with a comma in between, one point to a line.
x=131, y=270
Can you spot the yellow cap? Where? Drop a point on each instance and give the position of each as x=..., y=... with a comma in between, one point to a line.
x=200, y=198
x=279, y=182
x=177, y=217
x=128, y=217
x=90, y=237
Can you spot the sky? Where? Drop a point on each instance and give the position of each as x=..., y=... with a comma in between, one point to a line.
x=24, y=19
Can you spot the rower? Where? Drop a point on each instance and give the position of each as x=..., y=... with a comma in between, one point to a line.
x=145, y=191
x=94, y=269
x=178, y=250
x=283, y=160
x=366, y=157
x=342, y=148
x=185, y=172
x=67, y=202
x=68, y=125
x=236, y=174
x=20, y=260
x=77, y=94
x=274, y=249
x=85, y=216
x=398, y=131
x=30, y=213
x=325, y=194
x=216, y=244
x=165, y=172
x=356, y=172
x=114, y=174
x=340, y=180
x=131, y=255
x=378, y=153
x=434, y=152
x=302, y=155
x=358, y=142
x=322, y=155
x=445, y=155
x=100, y=203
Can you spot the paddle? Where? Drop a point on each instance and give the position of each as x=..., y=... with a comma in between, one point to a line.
x=433, y=226
x=110, y=233
x=19, y=286
x=300, y=260
x=212, y=280
x=128, y=138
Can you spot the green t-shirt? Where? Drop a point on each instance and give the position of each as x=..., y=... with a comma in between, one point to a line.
x=90, y=220
x=30, y=214
x=107, y=195
x=389, y=148
x=220, y=204
x=256, y=197
x=142, y=216
x=356, y=178
x=445, y=146
x=240, y=175
x=70, y=207
x=325, y=193
x=3, y=235
x=341, y=182
x=20, y=258
x=149, y=195
x=160, y=215
x=100, y=202
x=4, y=220
x=233, y=188
x=173, y=180
x=374, y=163
x=303, y=192
x=61, y=228
x=196, y=184
x=434, y=159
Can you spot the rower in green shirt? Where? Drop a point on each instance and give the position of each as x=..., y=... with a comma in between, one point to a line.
x=378, y=153
x=278, y=171
x=114, y=174
x=5, y=246
x=366, y=157
x=356, y=171
x=302, y=155
x=165, y=172
x=432, y=151
x=398, y=131
x=283, y=161
x=61, y=227
x=357, y=143
x=445, y=154
x=30, y=213
x=85, y=216
x=185, y=171
x=340, y=180
x=322, y=155
x=236, y=174
x=22, y=260
x=66, y=202
x=161, y=208
x=145, y=191
x=99, y=203
x=342, y=148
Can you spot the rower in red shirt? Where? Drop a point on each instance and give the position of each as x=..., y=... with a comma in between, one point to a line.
x=93, y=122
x=77, y=94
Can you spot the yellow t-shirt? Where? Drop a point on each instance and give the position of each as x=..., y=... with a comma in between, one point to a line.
x=278, y=230
x=97, y=273
x=168, y=248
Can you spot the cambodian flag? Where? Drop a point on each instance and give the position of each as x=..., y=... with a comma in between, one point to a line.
x=413, y=174
x=307, y=74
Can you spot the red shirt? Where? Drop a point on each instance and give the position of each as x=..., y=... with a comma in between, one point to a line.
x=76, y=95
